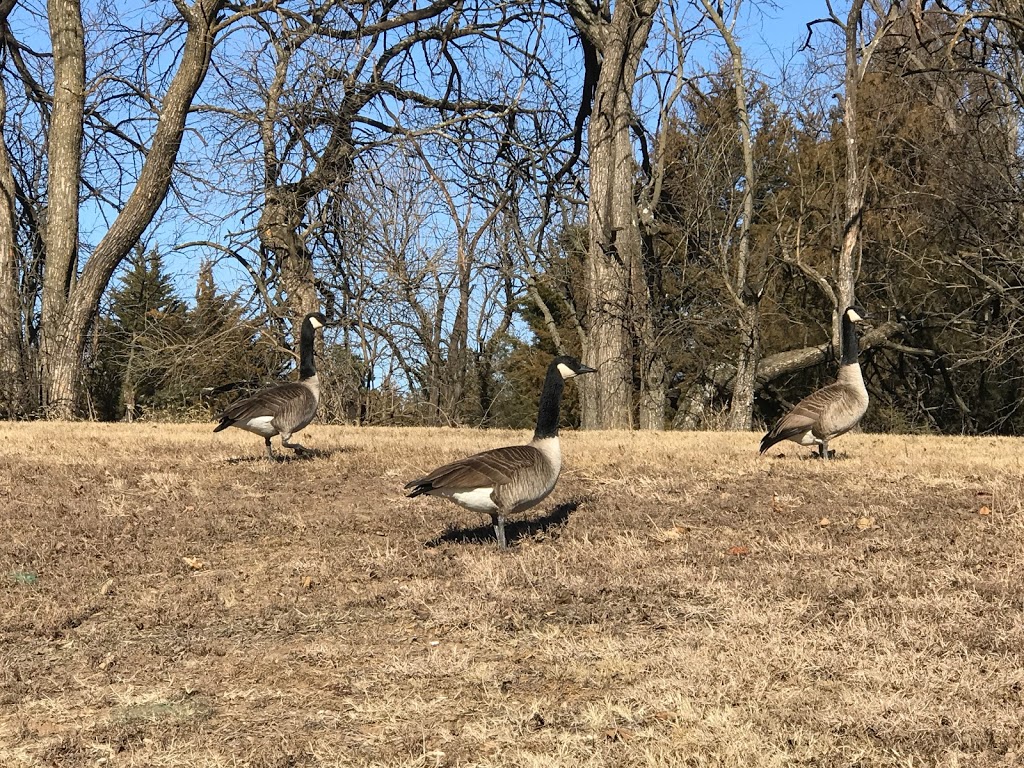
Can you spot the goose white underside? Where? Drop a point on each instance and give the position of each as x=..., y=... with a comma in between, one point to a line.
x=807, y=438
x=260, y=425
x=476, y=499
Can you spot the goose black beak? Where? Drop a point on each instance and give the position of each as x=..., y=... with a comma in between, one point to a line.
x=585, y=369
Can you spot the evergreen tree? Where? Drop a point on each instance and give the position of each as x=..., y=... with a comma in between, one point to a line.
x=153, y=354
x=222, y=349
x=146, y=318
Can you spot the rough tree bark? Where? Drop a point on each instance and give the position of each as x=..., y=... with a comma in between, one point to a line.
x=69, y=305
x=284, y=204
x=13, y=385
x=60, y=232
x=280, y=225
x=615, y=245
x=651, y=369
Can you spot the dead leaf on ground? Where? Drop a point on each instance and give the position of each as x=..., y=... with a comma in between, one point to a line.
x=864, y=523
x=618, y=734
x=985, y=511
x=738, y=550
x=824, y=521
x=666, y=715
x=193, y=562
x=308, y=583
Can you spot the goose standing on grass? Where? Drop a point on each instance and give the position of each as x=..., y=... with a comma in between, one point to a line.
x=505, y=481
x=832, y=410
x=283, y=409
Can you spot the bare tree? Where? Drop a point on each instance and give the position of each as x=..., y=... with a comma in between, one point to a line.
x=862, y=34
x=71, y=288
x=335, y=89
x=743, y=278
x=13, y=383
x=613, y=46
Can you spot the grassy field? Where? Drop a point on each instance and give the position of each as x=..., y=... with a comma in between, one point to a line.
x=169, y=597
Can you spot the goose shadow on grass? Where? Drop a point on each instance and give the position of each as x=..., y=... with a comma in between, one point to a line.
x=515, y=530
x=814, y=456
x=281, y=458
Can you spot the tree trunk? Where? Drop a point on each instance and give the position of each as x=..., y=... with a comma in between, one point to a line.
x=13, y=384
x=279, y=226
x=69, y=306
x=694, y=408
x=650, y=360
x=858, y=56
x=741, y=410
x=458, y=342
x=846, y=270
x=743, y=272
x=651, y=408
x=60, y=232
x=614, y=235
x=614, y=246
x=128, y=384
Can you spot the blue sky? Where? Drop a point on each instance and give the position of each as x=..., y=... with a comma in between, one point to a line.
x=770, y=37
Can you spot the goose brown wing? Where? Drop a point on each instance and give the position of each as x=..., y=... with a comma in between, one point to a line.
x=268, y=402
x=804, y=415
x=482, y=470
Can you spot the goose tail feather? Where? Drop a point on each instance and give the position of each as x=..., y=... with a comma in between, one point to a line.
x=419, y=487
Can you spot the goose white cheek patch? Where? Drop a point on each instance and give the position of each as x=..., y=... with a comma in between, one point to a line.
x=566, y=371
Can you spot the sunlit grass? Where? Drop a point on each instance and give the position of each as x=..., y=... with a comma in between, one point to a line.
x=172, y=598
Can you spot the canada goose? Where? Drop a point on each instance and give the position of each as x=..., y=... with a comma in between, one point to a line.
x=283, y=409
x=504, y=481
x=832, y=410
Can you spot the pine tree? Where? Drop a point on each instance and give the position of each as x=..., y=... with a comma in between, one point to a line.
x=224, y=348
x=145, y=320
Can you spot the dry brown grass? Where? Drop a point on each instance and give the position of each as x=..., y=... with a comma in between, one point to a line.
x=169, y=598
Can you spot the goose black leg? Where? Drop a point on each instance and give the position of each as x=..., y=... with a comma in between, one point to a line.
x=270, y=451
x=499, y=530
x=823, y=449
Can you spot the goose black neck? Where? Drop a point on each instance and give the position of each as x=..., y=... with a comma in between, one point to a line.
x=850, y=347
x=550, y=405
x=307, y=367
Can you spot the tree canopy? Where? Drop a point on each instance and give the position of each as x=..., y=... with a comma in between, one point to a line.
x=468, y=189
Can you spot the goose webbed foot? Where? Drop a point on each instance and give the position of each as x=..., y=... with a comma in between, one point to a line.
x=299, y=449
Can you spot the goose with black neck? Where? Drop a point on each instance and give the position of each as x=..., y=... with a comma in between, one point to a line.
x=834, y=409
x=286, y=408
x=506, y=481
